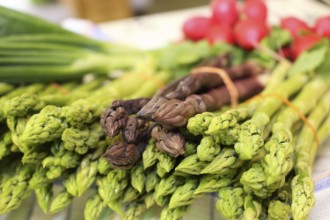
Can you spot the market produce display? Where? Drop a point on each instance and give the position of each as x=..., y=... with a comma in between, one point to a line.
x=241, y=119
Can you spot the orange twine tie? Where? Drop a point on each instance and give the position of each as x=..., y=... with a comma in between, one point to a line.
x=60, y=88
x=292, y=106
x=154, y=79
x=233, y=92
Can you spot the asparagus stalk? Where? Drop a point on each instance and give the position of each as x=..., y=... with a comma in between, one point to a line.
x=81, y=140
x=165, y=163
x=191, y=165
x=149, y=200
x=168, y=141
x=110, y=188
x=5, y=144
x=278, y=161
x=130, y=195
x=151, y=181
x=44, y=195
x=226, y=160
x=149, y=155
x=134, y=210
x=138, y=177
x=200, y=123
x=302, y=184
x=173, y=214
x=176, y=113
x=60, y=201
x=93, y=207
x=252, y=208
x=208, y=148
x=250, y=138
x=166, y=187
x=212, y=183
x=183, y=195
x=15, y=189
x=278, y=210
x=114, y=118
x=103, y=167
x=231, y=202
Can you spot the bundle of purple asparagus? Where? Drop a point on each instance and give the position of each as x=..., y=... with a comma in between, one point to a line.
x=169, y=109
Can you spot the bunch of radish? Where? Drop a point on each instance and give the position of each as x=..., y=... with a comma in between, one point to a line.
x=246, y=24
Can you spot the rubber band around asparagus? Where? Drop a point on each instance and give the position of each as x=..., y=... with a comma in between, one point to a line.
x=290, y=105
x=226, y=79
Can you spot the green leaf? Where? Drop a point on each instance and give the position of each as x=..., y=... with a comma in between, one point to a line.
x=311, y=59
x=277, y=38
x=188, y=53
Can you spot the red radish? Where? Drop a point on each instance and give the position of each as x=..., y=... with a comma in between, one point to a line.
x=220, y=34
x=249, y=32
x=322, y=26
x=255, y=9
x=285, y=52
x=295, y=26
x=304, y=43
x=224, y=12
x=195, y=28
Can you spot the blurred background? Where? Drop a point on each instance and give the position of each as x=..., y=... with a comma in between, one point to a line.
x=97, y=10
x=102, y=10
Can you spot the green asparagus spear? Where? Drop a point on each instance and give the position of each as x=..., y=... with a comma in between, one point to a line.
x=227, y=159
x=199, y=123
x=231, y=202
x=5, y=88
x=134, y=210
x=20, y=105
x=39, y=178
x=208, y=148
x=149, y=200
x=254, y=180
x=44, y=195
x=93, y=207
x=60, y=201
x=191, y=165
x=111, y=187
x=44, y=126
x=5, y=144
x=252, y=208
x=81, y=140
x=103, y=167
x=130, y=195
x=278, y=160
x=183, y=195
x=173, y=214
x=278, y=210
x=250, y=139
x=165, y=163
x=138, y=177
x=167, y=186
x=212, y=183
x=15, y=189
x=151, y=181
x=302, y=184
x=149, y=155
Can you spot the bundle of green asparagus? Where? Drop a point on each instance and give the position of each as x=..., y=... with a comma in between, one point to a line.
x=51, y=132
